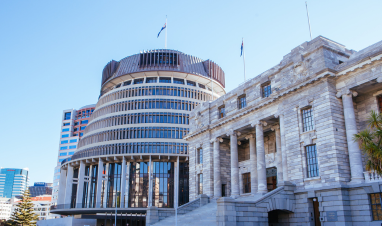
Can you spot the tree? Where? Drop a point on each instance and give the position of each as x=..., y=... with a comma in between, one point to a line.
x=370, y=142
x=24, y=214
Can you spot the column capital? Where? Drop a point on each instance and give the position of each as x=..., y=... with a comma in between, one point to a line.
x=250, y=136
x=275, y=127
x=341, y=93
x=232, y=132
x=259, y=122
x=218, y=139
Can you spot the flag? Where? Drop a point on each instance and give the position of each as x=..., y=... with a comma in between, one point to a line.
x=161, y=30
x=242, y=47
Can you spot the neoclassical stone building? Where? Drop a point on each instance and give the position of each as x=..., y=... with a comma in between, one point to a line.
x=279, y=148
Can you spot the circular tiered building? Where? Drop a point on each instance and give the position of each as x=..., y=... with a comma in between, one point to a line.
x=132, y=155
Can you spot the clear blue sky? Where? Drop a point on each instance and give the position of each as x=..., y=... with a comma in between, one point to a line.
x=52, y=52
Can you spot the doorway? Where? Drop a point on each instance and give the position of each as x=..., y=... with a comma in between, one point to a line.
x=316, y=212
x=271, y=179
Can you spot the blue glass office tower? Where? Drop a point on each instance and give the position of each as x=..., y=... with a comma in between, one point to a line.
x=13, y=182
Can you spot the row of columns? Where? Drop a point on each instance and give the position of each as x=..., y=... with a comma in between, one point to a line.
x=66, y=184
x=257, y=160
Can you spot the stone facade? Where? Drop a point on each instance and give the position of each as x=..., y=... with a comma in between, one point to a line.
x=321, y=95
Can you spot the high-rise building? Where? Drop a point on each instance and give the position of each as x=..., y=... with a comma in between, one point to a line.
x=40, y=188
x=132, y=156
x=73, y=124
x=5, y=208
x=13, y=182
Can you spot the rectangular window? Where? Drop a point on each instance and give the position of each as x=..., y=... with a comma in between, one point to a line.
x=64, y=142
x=127, y=83
x=138, y=81
x=64, y=148
x=84, y=121
x=67, y=115
x=60, y=160
x=164, y=79
x=179, y=81
x=376, y=206
x=200, y=183
x=311, y=158
x=81, y=134
x=72, y=146
x=307, y=119
x=200, y=155
x=83, y=127
x=66, y=124
x=266, y=90
x=117, y=86
x=65, y=130
x=247, y=182
x=63, y=154
x=221, y=111
x=75, y=130
x=65, y=135
x=151, y=80
x=191, y=83
x=202, y=86
x=241, y=102
x=71, y=153
x=73, y=141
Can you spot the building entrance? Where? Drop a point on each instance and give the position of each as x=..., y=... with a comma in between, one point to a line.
x=271, y=178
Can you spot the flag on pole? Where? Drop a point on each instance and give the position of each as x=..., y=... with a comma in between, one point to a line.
x=164, y=27
x=242, y=47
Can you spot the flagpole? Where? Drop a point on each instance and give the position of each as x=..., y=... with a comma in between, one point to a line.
x=165, y=39
x=307, y=14
x=244, y=60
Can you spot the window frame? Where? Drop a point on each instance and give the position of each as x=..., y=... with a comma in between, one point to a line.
x=312, y=155
x=310, y=119
x=265, y=92
x=220, y=114
x=242, y=104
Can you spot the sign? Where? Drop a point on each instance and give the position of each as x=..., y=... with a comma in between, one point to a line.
x=331, y=216
x=39, y=184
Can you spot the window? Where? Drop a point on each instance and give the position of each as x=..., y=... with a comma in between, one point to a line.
x=72, y=146
x=67, y=115
x=379, y=98
x=307, y=119
x=151, y=80
x=64, y=148
x=117, y=86
x=65, y=130
x=178, y=81
x=127, y=83
x=63, y=154
x=60, y=160
x=247, y=182
x=81, y=134
x=65, y=135
x=71, y=153
x=241, y=102
x=202, y=86
x=191, y=83
x=84, y=121
x=200, y=155
x=76, y=123
x=73, y=141
x=138, y=81
x=164, y=79
x=64, y=142
x=266, y=90
x=221, y=111
x=139, y=184
x=376, y=206
x=75, y=130
x=76, y=134
x=311, y=158
x=163, y=184
x=67, y=124
x=83, y=127
x=200, y=182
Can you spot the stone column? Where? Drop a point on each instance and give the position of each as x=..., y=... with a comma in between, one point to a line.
x=253, y=162
x=80, y=186
x=355, y=155
x=99, y=183
x=279, y=160
x=150, y=182
x=69, y=184
x=61, y=188
x=123, y=183
x=261, y=166
x=217, y=177
x=235, y=188
x=283, y=148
